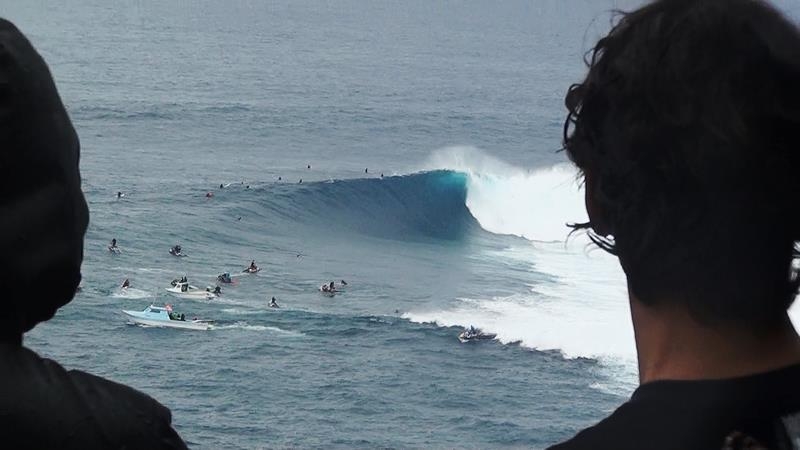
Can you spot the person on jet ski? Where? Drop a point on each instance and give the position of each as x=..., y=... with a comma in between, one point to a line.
x=224, y=278
x=217, y=291
x=176, y=250
x=273, y=303
x=253, y=266
x=126, y=284
x=331, y=288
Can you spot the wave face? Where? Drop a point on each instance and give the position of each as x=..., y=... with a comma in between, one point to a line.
x=408, y=207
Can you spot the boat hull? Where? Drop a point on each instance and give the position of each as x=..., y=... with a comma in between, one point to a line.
x=190, y=294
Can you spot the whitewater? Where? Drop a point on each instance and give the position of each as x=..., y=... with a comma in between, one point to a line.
x=582, y=311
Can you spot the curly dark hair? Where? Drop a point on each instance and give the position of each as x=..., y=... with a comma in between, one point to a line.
x=687, y=132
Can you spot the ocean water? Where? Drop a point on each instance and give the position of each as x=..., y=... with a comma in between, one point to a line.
x=426, y=136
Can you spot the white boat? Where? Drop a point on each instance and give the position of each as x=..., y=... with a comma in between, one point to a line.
x=162, y=316
x=187, y=291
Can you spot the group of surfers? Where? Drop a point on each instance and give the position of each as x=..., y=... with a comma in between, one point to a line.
x=328, y=288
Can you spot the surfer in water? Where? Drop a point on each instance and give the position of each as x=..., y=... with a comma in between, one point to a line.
x=126, y=284
x=253, y=267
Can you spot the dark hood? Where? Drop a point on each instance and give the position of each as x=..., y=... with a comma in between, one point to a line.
x=43, y=215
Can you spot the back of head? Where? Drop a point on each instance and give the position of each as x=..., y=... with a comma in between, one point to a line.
x=686, y=128
x=43, y=214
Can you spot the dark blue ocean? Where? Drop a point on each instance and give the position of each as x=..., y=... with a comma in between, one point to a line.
x=426, y=136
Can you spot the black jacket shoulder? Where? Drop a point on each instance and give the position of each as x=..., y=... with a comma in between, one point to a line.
x=702, y=414
x=45, y=406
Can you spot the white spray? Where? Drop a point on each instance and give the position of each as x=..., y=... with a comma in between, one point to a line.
x=583, y=311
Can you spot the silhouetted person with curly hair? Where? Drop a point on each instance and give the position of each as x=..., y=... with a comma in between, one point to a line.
x=687, y=133
x=43, y=218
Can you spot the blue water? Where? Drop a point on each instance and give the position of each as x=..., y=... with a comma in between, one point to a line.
x=454, y=108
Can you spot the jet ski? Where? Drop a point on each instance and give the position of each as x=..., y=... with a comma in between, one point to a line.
x=114, y=249
x=326, y=290
x=225, y=278
x=176, y=251
x=252, y=270
x=475, y=334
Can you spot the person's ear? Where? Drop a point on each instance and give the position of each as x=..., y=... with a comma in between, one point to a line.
x=593, y=208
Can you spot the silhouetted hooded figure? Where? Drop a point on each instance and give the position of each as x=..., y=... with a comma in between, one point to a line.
x=43, y=217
